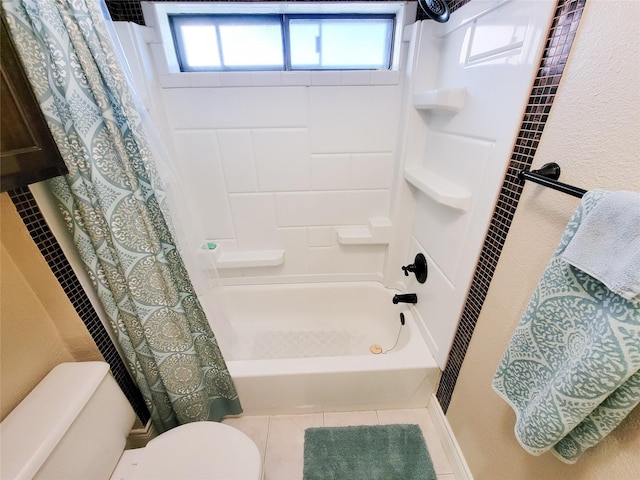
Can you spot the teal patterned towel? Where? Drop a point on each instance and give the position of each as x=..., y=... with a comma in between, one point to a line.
x=571, y=371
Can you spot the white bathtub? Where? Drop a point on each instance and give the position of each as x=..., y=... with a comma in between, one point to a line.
x=306, y=348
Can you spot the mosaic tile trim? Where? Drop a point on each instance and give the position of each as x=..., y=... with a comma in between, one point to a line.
x=43, y=237
x=561, y=34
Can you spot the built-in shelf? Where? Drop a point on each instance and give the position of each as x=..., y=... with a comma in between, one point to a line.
x=441, y=99
x=439, y=189
x=378, y=232
x=246, y=258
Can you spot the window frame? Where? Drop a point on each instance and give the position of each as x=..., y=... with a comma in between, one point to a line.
x=284, y=21
x=157, y=14
x=345, y=16
x=214, y=20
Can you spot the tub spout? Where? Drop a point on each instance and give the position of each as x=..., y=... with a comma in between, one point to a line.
x=405, y=298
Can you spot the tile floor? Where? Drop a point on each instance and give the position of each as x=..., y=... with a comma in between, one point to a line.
x=280, y=438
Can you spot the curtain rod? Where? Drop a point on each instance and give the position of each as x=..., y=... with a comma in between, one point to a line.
x=548, y=176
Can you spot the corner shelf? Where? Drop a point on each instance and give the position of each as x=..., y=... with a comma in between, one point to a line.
x=246, y=258
x=441, y=99
x=438, y=189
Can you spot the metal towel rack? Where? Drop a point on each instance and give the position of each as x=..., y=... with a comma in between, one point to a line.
x=548, y=176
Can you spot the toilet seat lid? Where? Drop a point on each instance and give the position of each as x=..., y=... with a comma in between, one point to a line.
x=201, y=450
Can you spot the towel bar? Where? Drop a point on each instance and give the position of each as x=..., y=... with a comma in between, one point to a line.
x=548, y=176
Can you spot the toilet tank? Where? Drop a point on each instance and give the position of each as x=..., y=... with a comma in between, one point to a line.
x=73, y=425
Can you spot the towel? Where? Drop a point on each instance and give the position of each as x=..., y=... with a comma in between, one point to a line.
x=607, y=244
x=571, y=371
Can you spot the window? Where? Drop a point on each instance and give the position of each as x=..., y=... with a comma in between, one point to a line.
x=226, y=37
x=227, y=42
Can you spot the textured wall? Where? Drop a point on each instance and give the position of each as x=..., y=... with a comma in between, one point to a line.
x=39, y=326
x=592, y=134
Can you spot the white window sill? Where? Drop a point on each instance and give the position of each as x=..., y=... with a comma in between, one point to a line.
x=278, y=79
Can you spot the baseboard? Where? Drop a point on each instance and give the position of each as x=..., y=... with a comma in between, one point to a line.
x=449, y=443
x=140, y=435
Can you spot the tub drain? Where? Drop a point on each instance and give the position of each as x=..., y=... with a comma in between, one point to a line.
x=376, y=349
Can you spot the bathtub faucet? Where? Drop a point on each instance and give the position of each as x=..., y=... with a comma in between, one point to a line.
x=405, y=298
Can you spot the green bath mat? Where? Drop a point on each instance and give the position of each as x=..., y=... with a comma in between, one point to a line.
x=368, y=452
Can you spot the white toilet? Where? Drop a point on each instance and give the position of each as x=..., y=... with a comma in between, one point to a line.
x=74, y=425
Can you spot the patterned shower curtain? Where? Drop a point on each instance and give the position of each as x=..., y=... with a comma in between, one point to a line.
x=114, y=206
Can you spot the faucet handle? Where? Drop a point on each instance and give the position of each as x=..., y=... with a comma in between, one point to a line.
x=418, y=267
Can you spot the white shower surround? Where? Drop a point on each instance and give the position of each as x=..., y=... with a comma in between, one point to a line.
x=305, y=348
x=268, y=166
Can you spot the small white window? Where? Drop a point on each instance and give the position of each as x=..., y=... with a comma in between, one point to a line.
x=283, y=42
x=225, y=36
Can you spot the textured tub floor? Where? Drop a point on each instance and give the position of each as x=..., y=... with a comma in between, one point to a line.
x=300, y=344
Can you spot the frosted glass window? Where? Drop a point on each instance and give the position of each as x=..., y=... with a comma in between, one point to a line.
x=228, y=42
x=206, y=42
x=252, y=45
x=200, y=46
x=338, y=44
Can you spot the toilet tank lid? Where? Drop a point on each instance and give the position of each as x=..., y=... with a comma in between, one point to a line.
x=32, y=430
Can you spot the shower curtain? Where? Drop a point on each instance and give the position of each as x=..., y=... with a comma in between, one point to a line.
x=115, y=208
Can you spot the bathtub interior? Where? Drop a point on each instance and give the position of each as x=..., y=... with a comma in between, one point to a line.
x=305, y=347
x=314, y=320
